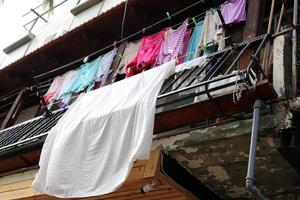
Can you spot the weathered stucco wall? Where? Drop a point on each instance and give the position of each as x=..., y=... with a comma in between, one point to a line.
x=218, y=157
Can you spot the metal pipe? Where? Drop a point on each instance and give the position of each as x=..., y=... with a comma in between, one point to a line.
x=294, y=50
x=253, y=190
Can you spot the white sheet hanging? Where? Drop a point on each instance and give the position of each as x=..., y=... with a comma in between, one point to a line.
x=92, y=148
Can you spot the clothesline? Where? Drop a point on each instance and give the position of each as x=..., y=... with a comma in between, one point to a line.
x=124, y=39
x=198, y=18
x=177, y=39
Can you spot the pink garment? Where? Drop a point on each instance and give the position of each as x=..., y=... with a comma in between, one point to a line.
x=183, y=51
x=233, y=11
x=147, y=54
x=53, y=89
x=173, y=44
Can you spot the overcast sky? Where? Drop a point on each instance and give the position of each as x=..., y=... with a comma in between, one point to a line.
x=11, y=19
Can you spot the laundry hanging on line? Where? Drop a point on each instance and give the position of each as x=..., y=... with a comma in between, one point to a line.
x=233, y=11
x=52, y=92
x=194, y=44
x=147, y=54
x=128, y=55
x=172, y=44
x=69, y=79
x=104, y=68
x=91, y=150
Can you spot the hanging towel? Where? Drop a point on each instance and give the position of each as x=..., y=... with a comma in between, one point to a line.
x=53, y=90
x=104, y=67
x=91, y=150
x=147, y=54
x=213, y=35
x=210, y=27
x=233, y=11
x=194, y=42
x=69, y=79
x=170, y=48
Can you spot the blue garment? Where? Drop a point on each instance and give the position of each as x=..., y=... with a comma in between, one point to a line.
x=85, y=77
x=194, y=42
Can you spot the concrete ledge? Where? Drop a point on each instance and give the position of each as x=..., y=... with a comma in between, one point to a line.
x=83, y=6
x=18, y=43
x=202, y=135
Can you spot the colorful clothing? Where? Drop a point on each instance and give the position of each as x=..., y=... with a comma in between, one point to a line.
x=129, y=54
x=194, y=42
x=210, y=27
x=86, y=76
x=172, y=45
x=69, y=79
x=213, y=34
x=183, y=50
x=53, y=89
x=147, y=54
x=234, y=11
x=103, y=69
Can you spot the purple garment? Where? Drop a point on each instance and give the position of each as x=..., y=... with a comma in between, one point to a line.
x=186, y=41
x=172, y=45
x=234, y=11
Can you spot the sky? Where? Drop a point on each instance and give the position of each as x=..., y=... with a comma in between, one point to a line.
x=11, y=20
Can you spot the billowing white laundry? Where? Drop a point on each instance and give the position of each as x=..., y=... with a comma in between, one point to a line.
x=92, y=148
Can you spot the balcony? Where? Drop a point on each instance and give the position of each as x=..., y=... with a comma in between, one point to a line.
x=218, y=88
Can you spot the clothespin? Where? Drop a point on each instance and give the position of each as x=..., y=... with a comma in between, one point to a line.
x=194, y=21
x=166, y=35
x=115, y=44
x=86, y=59
x=144, y=30
x=177, y=60
x=168, y=15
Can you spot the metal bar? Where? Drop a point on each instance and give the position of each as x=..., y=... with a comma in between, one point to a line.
x=185, y=78
x=198, y=93
x=280, y=17
x=40, y=16
x=282, y=32
x=48, y=113
x=294, y=50
x=254, y=58
x=23, y=141
x=237, y=58
x=174, y=81
x=47, y=11
x=200, y=84
x=33, y=8
x=200, y=71
x=213, y=70
x=267, y=47
x=10, y=118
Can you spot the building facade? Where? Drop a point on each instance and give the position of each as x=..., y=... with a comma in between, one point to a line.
x=208, y=114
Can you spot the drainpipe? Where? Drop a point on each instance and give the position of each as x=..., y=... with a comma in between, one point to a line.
x=253, y=190
x=294, y=50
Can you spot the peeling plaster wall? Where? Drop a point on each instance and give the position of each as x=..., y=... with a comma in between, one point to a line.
x=218, y=157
